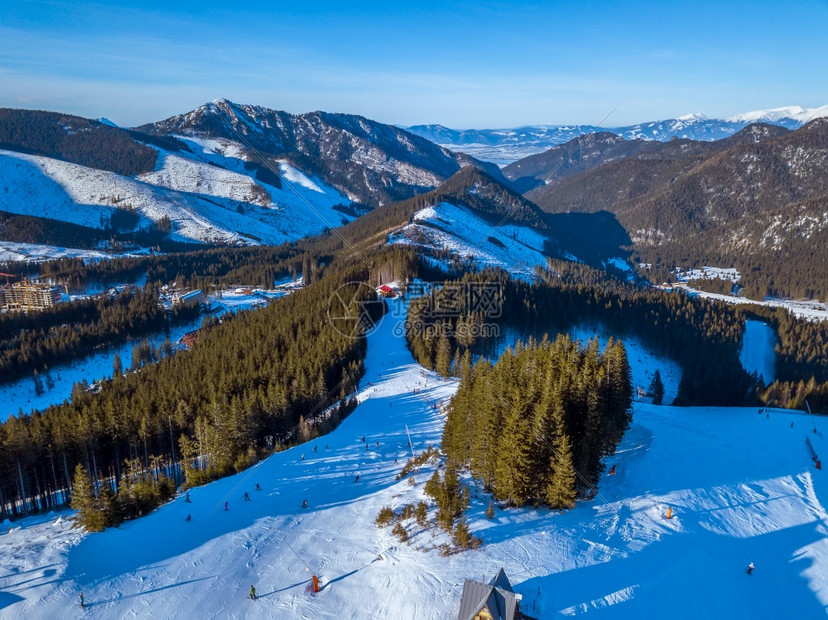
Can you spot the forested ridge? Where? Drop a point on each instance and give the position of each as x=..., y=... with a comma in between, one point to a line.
x=754, y=201
x=36, y=341
x=79, y=140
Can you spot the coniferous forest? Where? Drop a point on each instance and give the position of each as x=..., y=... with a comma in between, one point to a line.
x=262, y=380
x=703, y=337
x=535, y=425
x=35, y=341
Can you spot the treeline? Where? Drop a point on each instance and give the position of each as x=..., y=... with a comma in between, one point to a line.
x=259, y=379
x=116, y=235
x=35, y=341
x=202, y=268
x=703, y=336
x=535, y=425
x=77, y=140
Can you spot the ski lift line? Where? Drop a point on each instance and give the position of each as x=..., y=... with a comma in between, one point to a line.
x=283, y=180
x=524, y=198
x=310, y=570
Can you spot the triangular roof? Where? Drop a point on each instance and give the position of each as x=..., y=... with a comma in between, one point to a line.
x=497, y=596
x=501, y=581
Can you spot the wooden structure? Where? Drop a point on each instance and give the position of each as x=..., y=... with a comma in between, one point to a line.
x=495, y=600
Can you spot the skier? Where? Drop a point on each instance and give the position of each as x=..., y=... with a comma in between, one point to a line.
x=750, y=568
x=246, y=497
x=357, y=478
x=80, y=596
x=304, y=503
x=252, y=594
x=612, y=470
x=187, y=498
x=227, y=505
x=189, y=518
x=258, y=487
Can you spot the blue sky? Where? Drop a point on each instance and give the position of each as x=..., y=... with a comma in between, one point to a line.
x=462, y=64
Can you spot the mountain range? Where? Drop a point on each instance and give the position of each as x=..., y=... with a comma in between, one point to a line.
x=223, y=172
x=504, y=146
x=238, y=174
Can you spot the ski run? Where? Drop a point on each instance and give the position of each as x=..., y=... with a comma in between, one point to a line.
x=739, y=484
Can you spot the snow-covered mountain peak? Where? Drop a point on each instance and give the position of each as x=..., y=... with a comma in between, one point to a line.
x=693, y=117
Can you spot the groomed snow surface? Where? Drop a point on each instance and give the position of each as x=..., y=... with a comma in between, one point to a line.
x=445, y=226
x=741, y=486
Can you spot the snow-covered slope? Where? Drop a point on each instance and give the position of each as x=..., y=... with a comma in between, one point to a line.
x=205, y=202
x=457, y=229
x=12, y=251
x=741, y=487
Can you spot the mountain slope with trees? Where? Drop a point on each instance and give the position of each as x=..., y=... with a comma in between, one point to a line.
x=706, y=203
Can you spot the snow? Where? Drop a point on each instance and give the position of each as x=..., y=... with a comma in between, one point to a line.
x=741, y=487
x=806, y=309
x=708, y=273
x=796, y=113
x=622, y=265
x=445, y=226
x=758, y=350
x=14, y=251
x=205, y=202
x=643, y=362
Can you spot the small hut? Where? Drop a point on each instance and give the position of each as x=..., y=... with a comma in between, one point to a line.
x=495, y=600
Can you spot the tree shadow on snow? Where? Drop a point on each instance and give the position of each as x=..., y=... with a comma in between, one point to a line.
x=703, y=578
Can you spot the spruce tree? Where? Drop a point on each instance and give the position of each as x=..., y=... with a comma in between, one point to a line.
x=442, y=362
x=85, y=502
x=560, y=491
x=657, y=388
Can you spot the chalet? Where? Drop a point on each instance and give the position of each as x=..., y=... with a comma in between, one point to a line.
x=493, y=601
x=387, y=291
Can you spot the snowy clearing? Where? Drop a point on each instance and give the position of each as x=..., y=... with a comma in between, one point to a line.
x=445, y=226
x=741, y=486
x=13, y=251
x=203, y=201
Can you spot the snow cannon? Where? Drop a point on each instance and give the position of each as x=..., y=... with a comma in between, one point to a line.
x=315, y=583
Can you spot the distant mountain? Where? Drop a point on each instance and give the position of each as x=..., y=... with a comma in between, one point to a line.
x=369, y=162
x=504, y=146
x=595, y=149
x=756, y=200
x=223, y=173
x=115, y=183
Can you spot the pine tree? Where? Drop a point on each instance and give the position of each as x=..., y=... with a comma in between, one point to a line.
x=560, y=491
x=85, y=501
x=38, y=383
x=442, y=362
x=657, y=388
x=117, y=367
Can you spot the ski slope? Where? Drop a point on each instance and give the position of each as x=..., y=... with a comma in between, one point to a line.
x=741, y=486
x=457, y=229
x=204, y=202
